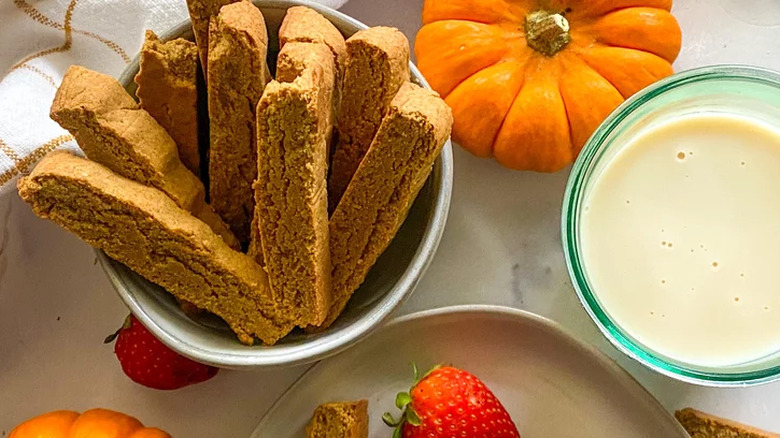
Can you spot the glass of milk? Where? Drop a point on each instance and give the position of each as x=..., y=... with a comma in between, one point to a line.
x=671, y=226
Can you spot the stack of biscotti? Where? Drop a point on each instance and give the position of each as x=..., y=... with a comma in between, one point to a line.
x=306, y=177
x=112, y=129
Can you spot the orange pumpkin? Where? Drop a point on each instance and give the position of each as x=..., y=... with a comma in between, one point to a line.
x=95, y=423
x=530, y=80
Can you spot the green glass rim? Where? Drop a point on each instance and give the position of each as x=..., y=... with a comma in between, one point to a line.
x=573, y=198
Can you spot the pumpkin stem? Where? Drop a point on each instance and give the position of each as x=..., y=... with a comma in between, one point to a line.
x=547, y=32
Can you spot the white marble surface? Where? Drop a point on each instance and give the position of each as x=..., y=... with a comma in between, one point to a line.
x=501, y=246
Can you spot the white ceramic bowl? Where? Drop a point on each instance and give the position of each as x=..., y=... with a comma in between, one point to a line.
x=389, y=283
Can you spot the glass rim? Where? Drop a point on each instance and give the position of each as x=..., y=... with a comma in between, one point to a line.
x=573, y=195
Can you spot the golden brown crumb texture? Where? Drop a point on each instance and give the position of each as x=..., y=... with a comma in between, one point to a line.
x=339, y=420
x=144, y=229
x=294, y=123
x=305, y=25
x=201, y=12
x=238, y=45
x=377, y=65
x=384, y=187
x=167, y=90
x=114, y=131
x=701, y=425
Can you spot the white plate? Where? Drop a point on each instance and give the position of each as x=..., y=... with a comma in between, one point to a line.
x=552, y=385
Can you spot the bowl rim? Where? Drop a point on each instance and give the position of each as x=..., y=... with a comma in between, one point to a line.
x=573, y=194
x=327, y=344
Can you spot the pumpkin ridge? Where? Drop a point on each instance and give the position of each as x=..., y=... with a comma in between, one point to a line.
x=622, y=8
x=514, y=98
x=613, y=30
x=481, y=38
x=583, y=56
x=666, y=7
x=568, y=119
x=501, y=125
x=618, y=46
x=577, y=145
x=472, y=75
x=488, y=102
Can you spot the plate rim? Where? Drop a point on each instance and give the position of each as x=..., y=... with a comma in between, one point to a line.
x=497, y=310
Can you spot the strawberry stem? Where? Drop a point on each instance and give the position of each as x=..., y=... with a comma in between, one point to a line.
x=403, y=401
x=125, y=325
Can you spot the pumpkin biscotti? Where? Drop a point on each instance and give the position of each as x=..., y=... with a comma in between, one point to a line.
x=113, y=130
x=377, y=200
x=201, y=12
x=701, y=425
x=144, y=229
x=377, y=65
x=237, y=75
x=167, y=90
x=294, y=123
x=339, y=420
x=305, y=25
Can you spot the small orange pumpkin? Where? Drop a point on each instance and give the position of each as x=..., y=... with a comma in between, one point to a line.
x=530, y=80
x=95, y=423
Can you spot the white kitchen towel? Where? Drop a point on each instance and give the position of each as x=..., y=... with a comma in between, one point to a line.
x=39, y=39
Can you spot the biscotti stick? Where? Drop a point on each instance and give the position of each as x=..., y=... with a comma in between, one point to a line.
x=167, y=90
x=384, y=187
x=377, y=65
x=293, y=129
x=238, y=42
x=201, y=12
x=341, y=419
x=701, y=425
x=291, y=63
x=112, y=130
x=144, y=229
x=305, y=25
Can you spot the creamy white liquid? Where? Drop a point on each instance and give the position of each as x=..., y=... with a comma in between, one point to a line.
x=681, y=239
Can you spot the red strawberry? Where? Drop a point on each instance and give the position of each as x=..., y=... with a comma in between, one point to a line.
x=149, y=362
x=450, y=403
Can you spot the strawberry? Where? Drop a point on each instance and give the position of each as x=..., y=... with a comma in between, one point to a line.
x=450, y=403
x=148, y=362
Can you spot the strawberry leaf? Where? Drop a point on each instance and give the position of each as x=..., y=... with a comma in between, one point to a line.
x=398, y=432
x=412, y=417
x=402, y=399
x=387, y=417
x=110, y=338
